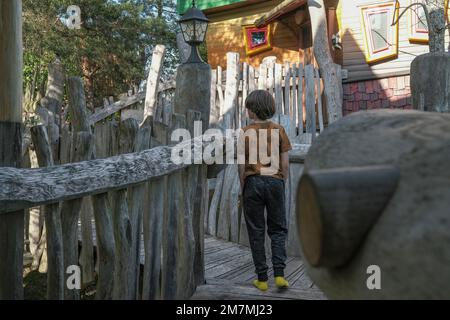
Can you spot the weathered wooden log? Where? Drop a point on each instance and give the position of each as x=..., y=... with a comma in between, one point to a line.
x=408, y=244
x=70, y=210
x=138, y=203
x=153, y=81
x=124, y=280
x=24, y=188
x=105, y=247
x=153, y=237
x=337, y=207
x=11, y=86
x=55, y=273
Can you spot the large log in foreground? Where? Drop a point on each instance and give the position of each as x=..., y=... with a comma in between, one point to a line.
x=338, y=207
x=407, y=236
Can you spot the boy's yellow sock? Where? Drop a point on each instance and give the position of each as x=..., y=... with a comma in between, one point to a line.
x=281, y=283
x=261, y=285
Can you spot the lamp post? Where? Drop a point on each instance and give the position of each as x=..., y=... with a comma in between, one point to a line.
x=194, y=25
x=193, y=98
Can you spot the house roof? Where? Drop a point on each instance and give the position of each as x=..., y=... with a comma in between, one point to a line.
x=184, y=5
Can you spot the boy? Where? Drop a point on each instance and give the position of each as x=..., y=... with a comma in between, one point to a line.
x=263, y=184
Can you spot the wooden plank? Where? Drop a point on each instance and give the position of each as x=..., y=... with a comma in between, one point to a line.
x=251, y=79
x=124, y=278
x=153, y=232
x=215, y=107
x=153, y=80
x=115, y=107
x=105, y=247
x=300, y=99
x=294, y=98
x=245, y=93
x=220, y=93
x=231, y=90
x=278, y=88
x=55, y=273
x=138, y=202
x=221, y=290
x=262, y=80
x=319, y=99
x=287, y=84
x=310, y=101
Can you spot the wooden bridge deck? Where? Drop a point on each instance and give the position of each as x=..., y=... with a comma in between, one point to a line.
x=230, y=272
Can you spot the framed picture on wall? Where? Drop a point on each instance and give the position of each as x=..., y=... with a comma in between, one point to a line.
x=380, y=37
x=257, y=39
x=447, y=10
x=418, y=27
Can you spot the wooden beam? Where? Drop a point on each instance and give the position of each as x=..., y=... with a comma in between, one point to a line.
x=24, y=188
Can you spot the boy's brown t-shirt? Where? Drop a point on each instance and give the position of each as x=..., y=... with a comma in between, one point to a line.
x=252, y=169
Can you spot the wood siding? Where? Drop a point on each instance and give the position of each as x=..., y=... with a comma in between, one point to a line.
x=354, y=47
x=225, y=35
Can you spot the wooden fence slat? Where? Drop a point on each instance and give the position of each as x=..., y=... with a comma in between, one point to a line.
x=310, y=101
x=55, y=258
x=214, y=206
x=279, y=87
x=294, y=100
x=262, y=80
x=214, y=112
x=300, y=98
x=153, y=80
x=319, y=100
x=251, y=79
x=220, y=91
x=287, y=88
x=245, y=93
x=153, y=233
x=125, y=280
x=105, y=247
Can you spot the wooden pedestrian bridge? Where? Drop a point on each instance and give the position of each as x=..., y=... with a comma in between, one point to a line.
x=148, y=213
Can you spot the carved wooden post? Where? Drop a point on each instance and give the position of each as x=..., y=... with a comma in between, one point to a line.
x=11, y=224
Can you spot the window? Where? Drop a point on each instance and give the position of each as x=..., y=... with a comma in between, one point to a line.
x=418, y=27
x=256, y=39
x=381, y=39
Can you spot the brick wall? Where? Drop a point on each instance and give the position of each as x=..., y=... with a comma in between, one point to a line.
x=391, y=93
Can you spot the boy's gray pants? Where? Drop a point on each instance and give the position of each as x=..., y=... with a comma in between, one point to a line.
x=262, y=192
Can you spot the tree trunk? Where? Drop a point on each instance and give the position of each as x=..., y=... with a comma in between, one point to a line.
x=437, y=25
x=331, y=79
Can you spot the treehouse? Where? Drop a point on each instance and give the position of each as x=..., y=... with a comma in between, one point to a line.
x=375, y=53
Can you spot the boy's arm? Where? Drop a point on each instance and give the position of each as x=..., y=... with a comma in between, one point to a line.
x=285, y=165
x=241, y=169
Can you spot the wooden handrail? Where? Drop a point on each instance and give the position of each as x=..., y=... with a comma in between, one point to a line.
x=24, y=188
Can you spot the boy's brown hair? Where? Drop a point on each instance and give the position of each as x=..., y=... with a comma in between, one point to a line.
x=261, y=103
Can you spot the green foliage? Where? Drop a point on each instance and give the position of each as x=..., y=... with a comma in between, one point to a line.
x=112, y=48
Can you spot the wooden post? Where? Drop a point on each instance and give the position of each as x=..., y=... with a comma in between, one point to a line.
x=11, y=224
x=153, y=81
x=55, y=273
x=322, y=54
x=81, y=149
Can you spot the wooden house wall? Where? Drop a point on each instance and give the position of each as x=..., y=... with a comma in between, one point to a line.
x=225, y=34
x=354, y=48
